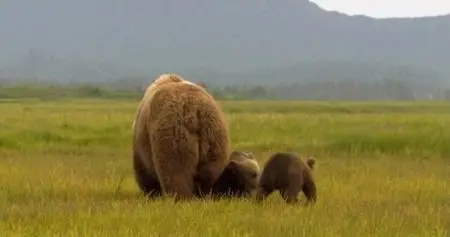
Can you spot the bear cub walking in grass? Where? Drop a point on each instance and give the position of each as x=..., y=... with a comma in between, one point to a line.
x=290, y=175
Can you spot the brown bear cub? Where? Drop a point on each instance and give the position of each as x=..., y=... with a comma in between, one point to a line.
x=290, y=175
x=240, y=177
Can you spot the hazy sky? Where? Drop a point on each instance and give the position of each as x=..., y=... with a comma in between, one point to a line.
x=387, y=8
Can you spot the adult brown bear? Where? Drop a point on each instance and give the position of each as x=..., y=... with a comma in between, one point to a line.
x=180, y=139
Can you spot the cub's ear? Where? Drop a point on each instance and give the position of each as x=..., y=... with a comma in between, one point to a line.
x=249, y=155
x=311, y=162
x=234, y=153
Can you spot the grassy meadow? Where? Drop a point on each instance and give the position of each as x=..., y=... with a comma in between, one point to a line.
x=383, y=169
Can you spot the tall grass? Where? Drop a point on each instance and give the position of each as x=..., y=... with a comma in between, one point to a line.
x=382, y=170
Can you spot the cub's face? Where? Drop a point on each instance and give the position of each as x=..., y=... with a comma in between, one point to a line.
x=246, y=168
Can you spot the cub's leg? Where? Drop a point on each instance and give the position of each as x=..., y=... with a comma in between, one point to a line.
x=310, y=192
x=290, y=191
x=263, y=192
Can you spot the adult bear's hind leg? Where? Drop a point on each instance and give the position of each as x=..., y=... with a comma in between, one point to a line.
x=175, y=156
x=144, y=173
x=147, y=184
x=216, y=154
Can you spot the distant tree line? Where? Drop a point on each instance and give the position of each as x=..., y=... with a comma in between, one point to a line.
x=322, y=90
x=332, y=90
x=49, y=92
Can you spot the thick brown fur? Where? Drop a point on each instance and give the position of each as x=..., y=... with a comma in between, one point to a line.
x=181, y=135
x=163, y=79
x=146, y=178
x=240, y=177
x=290, y=175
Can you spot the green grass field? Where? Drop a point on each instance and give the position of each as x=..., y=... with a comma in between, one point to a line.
x=382, y=170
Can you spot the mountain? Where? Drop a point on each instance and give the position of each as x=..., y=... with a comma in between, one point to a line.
x=247, y=40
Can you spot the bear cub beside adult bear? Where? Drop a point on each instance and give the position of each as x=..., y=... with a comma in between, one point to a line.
x=240, y=177
x=290, y=175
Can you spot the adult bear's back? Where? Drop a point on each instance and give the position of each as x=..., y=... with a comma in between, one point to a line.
x=188, y=129
x=189, y=104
